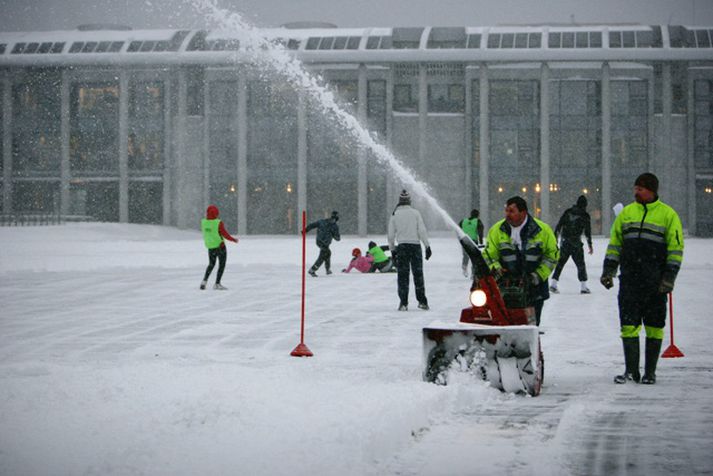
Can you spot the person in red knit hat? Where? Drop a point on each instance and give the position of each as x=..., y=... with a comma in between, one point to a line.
x=214, y=236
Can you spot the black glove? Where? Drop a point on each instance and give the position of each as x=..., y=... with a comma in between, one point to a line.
x=428, y=252
x=498, y=273
x=607, y=281
x=534, y=279
x=666, y=284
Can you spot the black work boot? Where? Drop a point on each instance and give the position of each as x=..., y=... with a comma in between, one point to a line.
x=653, y=349
x=631, y=360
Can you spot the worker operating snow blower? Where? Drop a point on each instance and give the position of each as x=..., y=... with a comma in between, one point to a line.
x=497, y=337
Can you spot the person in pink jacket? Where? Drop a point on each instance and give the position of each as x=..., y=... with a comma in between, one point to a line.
x=362, y=263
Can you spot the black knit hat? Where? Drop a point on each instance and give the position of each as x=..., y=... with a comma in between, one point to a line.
x=582, y=201
x=648, y=181
x=335, y=215
x=404, y=198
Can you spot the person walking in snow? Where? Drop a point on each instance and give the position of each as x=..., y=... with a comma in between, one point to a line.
x=473, y=227
x=573, y=222
x=214, y=236
x=382, y=263
x=327, y=229
x=407, y=228
x=523, y=250
x=646, y=244
x=361, y=263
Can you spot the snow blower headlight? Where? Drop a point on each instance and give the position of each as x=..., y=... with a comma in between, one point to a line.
x=478, y=298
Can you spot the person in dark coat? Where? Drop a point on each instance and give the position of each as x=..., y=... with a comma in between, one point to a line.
x=573, y=222
x=327, y=229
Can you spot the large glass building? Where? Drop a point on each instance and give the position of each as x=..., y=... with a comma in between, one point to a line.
x=142, y=126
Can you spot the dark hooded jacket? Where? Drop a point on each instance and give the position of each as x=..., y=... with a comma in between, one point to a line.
x=575, y=221
x=327, y=229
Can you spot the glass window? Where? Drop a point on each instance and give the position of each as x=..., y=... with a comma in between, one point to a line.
x=595, y=39
x=36, y=114
x=272, y=161
x=446, y=98
x=326, y=43
x=146, y=202
x=443, y=37
x=353, y=42
x=614, y=39
x=508, y=40
x=103, y=47
x=554, y=39
x=134, y=46
x=410, y=38
x=76, y=47
x=147, y=46
x=403, y=98
x=18, y=48
x=582, y=39
x=702, y=39
x=493, y=40
x=2, y=48
x=474, y=40
x=293, y=44
x=340, y=42
x=89, y=47
x=373, y=42
x=644, y=39
x=36, y=196
x=521, y=40
x=31, y=48
x=534, y=40
x=94, y=132
x=145, y=141
x=568, y=39
x=116, y=46
x=194, y=94
x=628, y=39
x=45, y=47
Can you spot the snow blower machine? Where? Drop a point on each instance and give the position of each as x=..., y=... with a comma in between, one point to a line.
x=496, y=339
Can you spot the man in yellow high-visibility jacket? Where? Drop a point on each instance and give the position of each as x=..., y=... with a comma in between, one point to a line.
x=646, y=244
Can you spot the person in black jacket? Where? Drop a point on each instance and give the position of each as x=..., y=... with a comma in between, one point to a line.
x=327, y=229
x=572, y=224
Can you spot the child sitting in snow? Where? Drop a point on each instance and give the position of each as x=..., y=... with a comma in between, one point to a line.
x=362, y=263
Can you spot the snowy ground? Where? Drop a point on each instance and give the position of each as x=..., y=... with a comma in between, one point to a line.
x=113, y=362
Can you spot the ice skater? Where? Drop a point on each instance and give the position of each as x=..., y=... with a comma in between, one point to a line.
x=382, y=263
x=214, y=236
x=473, y=227
x=327, y=229
x=573, y=222
x=361, y=263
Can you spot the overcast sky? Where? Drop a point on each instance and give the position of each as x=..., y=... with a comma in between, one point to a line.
x=30, y=15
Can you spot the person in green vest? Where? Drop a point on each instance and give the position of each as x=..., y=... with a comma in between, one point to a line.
x=382, y=263
x=473, y=227
x=214, y=233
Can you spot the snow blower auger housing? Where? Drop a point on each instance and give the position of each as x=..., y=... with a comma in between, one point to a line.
x=496, y=338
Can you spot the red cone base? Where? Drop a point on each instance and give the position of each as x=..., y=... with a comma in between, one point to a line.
x=301, y=351
x=671, y=352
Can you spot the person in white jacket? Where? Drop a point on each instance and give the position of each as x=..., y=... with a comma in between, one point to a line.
x=407, y=228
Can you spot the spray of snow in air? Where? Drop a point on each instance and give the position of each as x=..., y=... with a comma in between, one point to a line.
x=274, y=57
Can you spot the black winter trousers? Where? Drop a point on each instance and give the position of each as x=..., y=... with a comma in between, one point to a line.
x=638, y=305
x=409, y=259
x=221, y=253
x=576, y=251
x=325, y=255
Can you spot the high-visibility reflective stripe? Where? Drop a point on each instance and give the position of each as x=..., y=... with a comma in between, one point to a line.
x=644, y=236
x=675, y=253
x=532, y=258
x=647, y=225
x=509, y=258
x=630, y=331
x=674, y=263
x=654, y=332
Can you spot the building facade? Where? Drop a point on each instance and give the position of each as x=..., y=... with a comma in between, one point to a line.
x=144, y=126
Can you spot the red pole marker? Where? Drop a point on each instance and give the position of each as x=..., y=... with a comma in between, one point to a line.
x=671, y=351
x=302, y=350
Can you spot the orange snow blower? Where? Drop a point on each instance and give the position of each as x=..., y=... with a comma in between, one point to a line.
x=496, y=338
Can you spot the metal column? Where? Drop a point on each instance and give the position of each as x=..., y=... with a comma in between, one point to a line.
x=362, y=180
x=242, y=155
x=691, y=158
x=485, y=211
x=6, y=118
x=544, y=143
x=301, y=156
x=663, y=167
x=606, y=150
x=422, y=112
x=123, y=147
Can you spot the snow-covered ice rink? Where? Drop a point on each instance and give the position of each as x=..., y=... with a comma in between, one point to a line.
x=113, y=362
